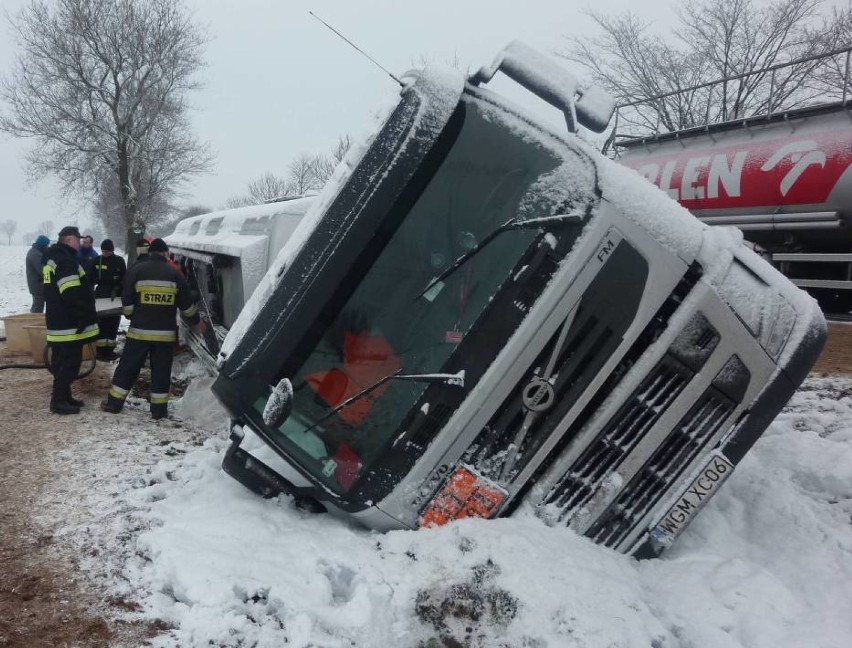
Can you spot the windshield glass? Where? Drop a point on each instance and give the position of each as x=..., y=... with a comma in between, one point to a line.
x=495, y=170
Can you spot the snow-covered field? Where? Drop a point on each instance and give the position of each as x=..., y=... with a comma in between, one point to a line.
x=767, y=564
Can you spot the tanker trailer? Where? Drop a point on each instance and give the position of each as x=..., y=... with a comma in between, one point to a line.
x=784, y=179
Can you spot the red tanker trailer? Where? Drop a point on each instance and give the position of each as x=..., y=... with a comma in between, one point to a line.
x=783, y=179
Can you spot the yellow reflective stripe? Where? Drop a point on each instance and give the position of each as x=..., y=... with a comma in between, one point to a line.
x=80, y=271
x=113, y=391
x=157, y=290
x=102, y=343
x=47, y=273
x=151, y=336
x=72, y=337
x=159, y=399
x=66, y=283
x=154, y=283
x=189, y=312
x=61, y=331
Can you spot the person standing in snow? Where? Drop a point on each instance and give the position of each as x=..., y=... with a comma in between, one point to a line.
x=71, y=317
x=87, y=248
x=108, y=270
x=34, y=264
x=153, y=293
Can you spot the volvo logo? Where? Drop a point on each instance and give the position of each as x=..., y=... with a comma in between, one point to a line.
x=538, y=395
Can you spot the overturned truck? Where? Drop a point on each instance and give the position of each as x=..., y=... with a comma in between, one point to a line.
x=480, y=314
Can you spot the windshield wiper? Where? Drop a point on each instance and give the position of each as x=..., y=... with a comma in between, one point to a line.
x=456, y=379
x=512, y=224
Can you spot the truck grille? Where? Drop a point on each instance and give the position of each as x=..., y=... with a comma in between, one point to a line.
x=653, y=397
x=663, y=469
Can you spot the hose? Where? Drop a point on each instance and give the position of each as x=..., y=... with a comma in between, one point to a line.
x=86, y=366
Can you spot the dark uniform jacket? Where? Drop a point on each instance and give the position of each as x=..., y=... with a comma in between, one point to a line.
x=108, y=275
x=153, y=293
x=34, y=274
x=71, y=315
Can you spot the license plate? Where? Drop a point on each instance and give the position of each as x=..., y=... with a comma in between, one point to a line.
x=696, y=495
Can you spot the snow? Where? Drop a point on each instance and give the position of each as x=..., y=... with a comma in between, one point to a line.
x=14, y=296
x=768, y=563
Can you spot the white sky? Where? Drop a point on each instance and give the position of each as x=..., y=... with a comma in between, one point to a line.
x=278, y=83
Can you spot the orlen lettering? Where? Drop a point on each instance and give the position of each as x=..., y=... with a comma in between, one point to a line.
x=762, y=173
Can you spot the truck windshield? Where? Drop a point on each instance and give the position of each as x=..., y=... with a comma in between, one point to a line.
x=496, y=170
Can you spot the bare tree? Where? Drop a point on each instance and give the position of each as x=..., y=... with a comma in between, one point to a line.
x=341, y=148
x=8, y=227
x=324, y=165
x=100, y=86
x=306, y=173
x=301, y=174
x=268, y=187
x=154, y=208
x=715, y=39
x=239, y=201
x=835, y=32
x=194, y=210
x=322, y=168
x=46, y=227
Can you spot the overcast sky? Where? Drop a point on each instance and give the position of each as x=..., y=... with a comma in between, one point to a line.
x=278, y=83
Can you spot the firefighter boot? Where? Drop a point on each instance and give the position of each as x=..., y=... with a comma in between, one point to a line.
x=159, y=411
x=112, y=405
x=63, y=407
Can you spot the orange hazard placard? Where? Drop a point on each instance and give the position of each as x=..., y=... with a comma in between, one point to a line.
x=465, y=494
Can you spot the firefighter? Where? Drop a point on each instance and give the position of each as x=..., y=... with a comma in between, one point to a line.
x=71, y=317
x=108, y=271
x=153, y=293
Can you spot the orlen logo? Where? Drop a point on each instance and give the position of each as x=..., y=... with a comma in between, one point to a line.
x=768, y=173
x=803, y=154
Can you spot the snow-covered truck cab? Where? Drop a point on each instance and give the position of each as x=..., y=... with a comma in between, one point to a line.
x=225, y=254
x=481, y=315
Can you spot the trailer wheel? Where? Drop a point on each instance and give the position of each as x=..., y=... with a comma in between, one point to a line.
x=88, y=365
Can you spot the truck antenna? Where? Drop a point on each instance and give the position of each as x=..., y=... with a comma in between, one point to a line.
x=376, y=63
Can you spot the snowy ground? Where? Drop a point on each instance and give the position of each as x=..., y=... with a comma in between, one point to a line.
x=767, y=564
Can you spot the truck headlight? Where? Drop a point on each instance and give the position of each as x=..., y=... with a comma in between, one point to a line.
x=779, y=317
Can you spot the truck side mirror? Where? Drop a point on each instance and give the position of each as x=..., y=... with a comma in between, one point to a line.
x=588, y=107
x=279, y=405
